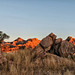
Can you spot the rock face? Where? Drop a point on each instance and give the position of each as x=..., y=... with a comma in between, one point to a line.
x=53, y=36
x=66, y=48
x=71, y=40
x=46, y=42
x=50, y=44
x=45, y=45
x=59, y=40
x=19, y=43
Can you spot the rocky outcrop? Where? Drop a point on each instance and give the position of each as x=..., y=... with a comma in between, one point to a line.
x=19, y=43
x=59, y=47
x=45, y=45
x=66, y=48
x=48, y=41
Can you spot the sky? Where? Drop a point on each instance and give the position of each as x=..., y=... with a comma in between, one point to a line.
x=37, y=18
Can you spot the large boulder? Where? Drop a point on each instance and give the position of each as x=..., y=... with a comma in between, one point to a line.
x=45, y=45
x=66, y=49
x=37, y=51
x=53, y=36
x=59, y=40
x=46, y=42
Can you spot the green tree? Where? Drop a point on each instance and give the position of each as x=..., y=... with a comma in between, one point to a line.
x=2, y=37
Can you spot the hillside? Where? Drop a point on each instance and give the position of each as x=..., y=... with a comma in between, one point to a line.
x=19, y=43
x=51, y=56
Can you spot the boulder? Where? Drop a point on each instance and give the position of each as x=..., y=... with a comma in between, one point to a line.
x=47, y=49
x=66, y=48
x=38, y=50
x=59, y=40
x=46, y=42
x=45, y=45
x=53, y=36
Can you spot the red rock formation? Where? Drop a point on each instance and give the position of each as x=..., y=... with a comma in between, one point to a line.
x=33, y=43
x=71, y=40
x=14, y=43
x=19, y=43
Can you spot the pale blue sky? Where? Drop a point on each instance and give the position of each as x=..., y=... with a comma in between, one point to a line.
x=37, y=18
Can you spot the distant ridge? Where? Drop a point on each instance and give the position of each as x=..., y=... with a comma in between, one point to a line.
x=19, y=43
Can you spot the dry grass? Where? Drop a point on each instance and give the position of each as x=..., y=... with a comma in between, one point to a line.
x=22, y=63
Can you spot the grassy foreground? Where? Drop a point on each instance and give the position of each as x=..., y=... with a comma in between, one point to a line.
x=23, y=63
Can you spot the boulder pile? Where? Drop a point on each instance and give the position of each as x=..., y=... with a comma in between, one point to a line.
x=57, y=46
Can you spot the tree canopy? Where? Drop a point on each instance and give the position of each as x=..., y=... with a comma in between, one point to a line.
x=3, y=36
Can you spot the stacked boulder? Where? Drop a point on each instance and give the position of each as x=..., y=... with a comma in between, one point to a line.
x=50, y=44
x=48, y=41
